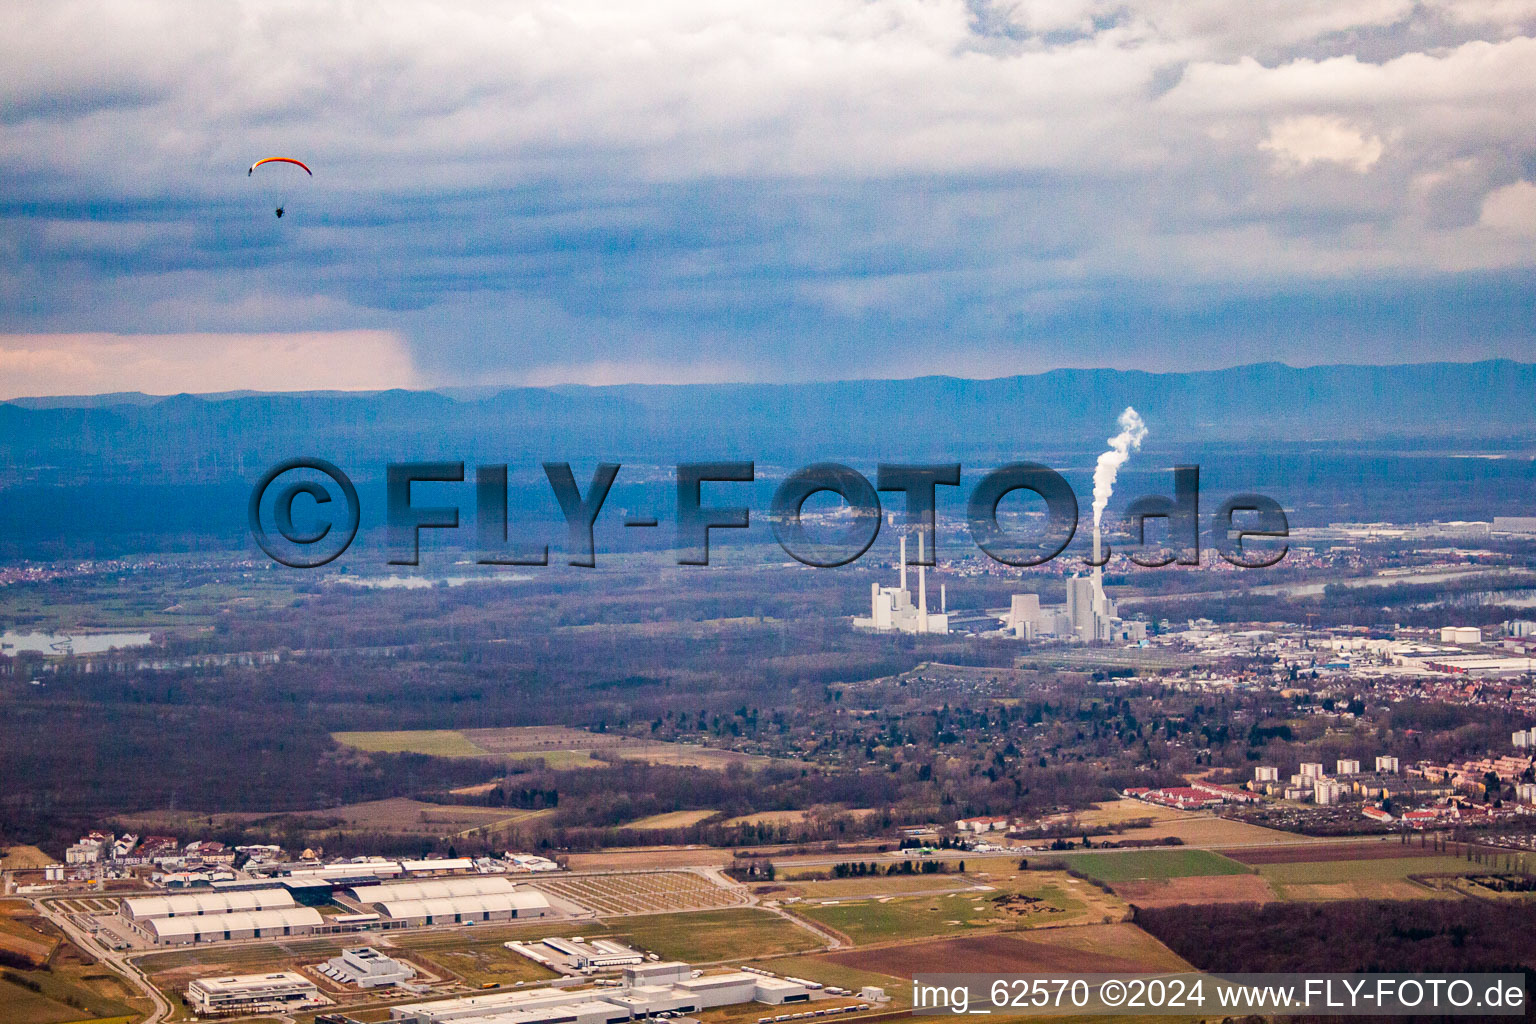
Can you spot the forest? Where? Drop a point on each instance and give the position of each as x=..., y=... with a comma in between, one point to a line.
x=1349, y=936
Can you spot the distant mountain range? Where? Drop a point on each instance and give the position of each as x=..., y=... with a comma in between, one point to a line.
x=233, y=436
x=130, y=473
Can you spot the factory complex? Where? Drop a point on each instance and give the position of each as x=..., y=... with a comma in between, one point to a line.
x=197, y=917
x=645, y=990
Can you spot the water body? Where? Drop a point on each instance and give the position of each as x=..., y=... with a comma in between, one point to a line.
x=69, y=643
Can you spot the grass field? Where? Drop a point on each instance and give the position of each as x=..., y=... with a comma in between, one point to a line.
x=557, y=745
x=435, y=742
x=23, y=858
x=796, y=817
x=837, y=888
x=24, y=934
x=1042, y=899
x=70, y=990
x=1380, y=878
x=1117, y=812
x=671, y=819
x=713, y=936
x=1137, y=864
x=480, y=962
x=638, y=858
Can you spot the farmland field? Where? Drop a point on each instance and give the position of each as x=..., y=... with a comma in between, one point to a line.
x=1091, y=948
x=714, y=936
x=1199, y=889
x=70, y=988
x=648, y=892
x=1116, y=812
x=25, y=935
x=796, y=817
x=434, y=742
x=1137, y=864
x=1331, y=851
x=559, y=746
x=637, y=858
x=1378, y=878
x=1195, y=829
x=671, y=819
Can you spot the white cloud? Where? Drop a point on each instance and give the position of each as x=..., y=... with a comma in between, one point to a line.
x=86, y=364
x=1511, y=210
x=1299, y=142
x=615, y=172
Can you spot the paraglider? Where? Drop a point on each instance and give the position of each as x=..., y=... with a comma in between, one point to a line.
x=280, y=160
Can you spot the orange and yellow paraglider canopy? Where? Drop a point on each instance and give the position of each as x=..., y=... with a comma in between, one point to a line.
x=279, y=160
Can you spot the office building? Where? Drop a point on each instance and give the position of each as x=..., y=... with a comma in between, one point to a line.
x=251, y=993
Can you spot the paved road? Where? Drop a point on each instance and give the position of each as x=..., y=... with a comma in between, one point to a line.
x=113, y=960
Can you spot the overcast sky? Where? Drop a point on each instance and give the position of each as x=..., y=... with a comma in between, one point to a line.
x=776, y=190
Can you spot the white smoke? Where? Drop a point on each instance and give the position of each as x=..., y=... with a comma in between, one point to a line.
x=1132, y=431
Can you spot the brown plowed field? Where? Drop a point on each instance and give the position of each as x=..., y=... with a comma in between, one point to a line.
x=1105, y=948
x=1170, y=892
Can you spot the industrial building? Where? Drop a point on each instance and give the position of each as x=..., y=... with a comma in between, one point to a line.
x=366, y=967
x=453, y=901
x=577, y=954
x=251, y=993
x=891, y=608
x=1088, y=616
x=245, y=924
x=201, y=904
x=645, y=990
x=461, y=909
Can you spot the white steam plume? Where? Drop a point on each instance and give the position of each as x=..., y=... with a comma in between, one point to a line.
x=1132, y=431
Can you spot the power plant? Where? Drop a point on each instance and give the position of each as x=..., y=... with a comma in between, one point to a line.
x=891, y=608
x=1089, y=615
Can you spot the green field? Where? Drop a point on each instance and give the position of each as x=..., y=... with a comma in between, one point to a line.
x=714, y=935
x=1127, y=867
x=59, y=1001
x=435, y=742
x=1379, y=870
x=910, y=917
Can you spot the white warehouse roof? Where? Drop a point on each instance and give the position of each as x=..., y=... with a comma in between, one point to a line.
x=192, y=903
x=491, y=903
x=434, y=888
x=444, y=864
x=205, y=927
